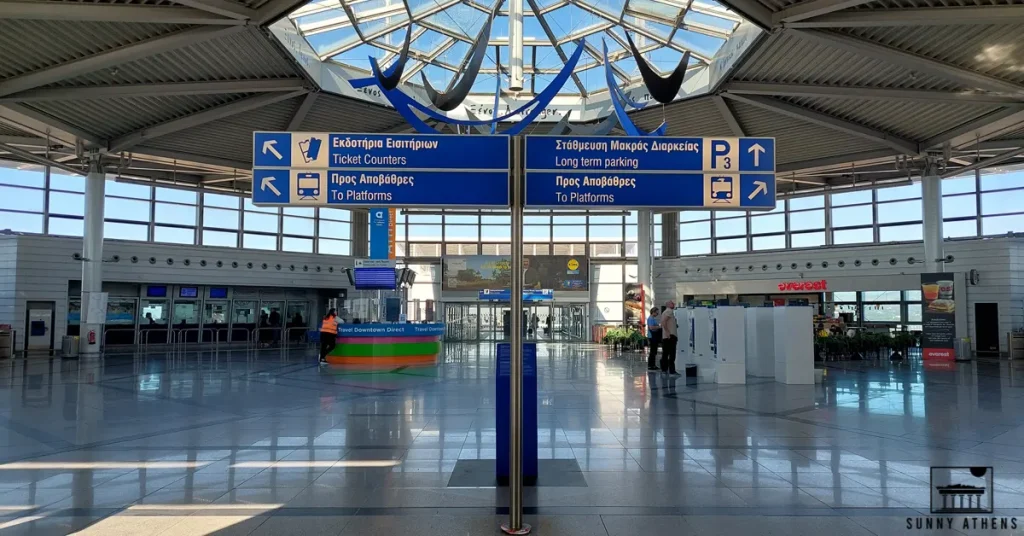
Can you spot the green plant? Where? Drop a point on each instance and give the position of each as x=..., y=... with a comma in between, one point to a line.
x=614, y=336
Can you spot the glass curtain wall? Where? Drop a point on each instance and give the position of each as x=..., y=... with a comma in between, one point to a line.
x=34, y=199
x=975, y=205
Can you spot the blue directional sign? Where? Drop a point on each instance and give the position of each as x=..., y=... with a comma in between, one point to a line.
x=379, y=170
x=650, y=172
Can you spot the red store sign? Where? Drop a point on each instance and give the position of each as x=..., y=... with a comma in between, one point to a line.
x=801, y=286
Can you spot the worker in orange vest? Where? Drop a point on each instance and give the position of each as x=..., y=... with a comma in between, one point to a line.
x=328, y=334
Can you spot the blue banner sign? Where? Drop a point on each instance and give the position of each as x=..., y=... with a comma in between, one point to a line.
x=650, y=172
x=389, y=330
x=505, y=295
x=379, y=170
x=503, y=400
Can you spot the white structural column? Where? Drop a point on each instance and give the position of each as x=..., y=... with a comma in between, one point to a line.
x=92, y=258
x=931, y=198
x=645, y=255
x=515, y=45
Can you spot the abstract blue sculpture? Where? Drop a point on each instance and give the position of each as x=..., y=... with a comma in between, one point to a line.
x=387, y=82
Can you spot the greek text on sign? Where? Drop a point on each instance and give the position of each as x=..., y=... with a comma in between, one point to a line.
x=379, y=170
x=623, y=172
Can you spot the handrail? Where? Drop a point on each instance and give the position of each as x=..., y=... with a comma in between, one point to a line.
x=256, y=332
x=106, y=331
x=303, y=339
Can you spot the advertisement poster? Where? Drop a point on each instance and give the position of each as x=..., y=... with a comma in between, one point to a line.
x=494, y=272
x=635, y=315
x=938, y=336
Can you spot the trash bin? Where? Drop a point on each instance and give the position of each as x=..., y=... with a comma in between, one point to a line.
x=963, y=349
x=6, y=343
x=69, y=346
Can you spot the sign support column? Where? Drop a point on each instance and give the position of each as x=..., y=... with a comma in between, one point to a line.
x=931, y=197
x=94, y=306
x=515, y=523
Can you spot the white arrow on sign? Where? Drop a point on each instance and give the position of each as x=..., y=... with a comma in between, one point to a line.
x=268, y=182
x=755, y=148
x=761, y=188
x=268, y=146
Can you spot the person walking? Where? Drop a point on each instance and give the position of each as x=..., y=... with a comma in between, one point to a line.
x=328, y=334
x=669, y=339
x=653, y=338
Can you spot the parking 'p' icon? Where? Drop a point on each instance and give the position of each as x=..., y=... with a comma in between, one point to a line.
x=721, y=154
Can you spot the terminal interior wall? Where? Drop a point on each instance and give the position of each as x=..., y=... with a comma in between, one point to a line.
x=38, y=268
x=999, y=261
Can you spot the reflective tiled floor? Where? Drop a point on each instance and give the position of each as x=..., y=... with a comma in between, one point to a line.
x=270, y=443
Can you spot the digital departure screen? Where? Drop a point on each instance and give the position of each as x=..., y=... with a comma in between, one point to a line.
x=377, y=278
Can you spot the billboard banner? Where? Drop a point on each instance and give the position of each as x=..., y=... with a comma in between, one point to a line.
x=938, y=333
x=494, y=272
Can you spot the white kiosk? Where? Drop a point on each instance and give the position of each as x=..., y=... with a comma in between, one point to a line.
x=760, y=342
x=701, y=353
x=728, y=326
x=684, y=351
x=794, y=345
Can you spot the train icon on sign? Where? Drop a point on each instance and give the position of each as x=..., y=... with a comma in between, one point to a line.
x=721, y=189
x=308, y=185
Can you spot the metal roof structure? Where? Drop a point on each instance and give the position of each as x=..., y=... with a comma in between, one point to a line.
x=856, y=92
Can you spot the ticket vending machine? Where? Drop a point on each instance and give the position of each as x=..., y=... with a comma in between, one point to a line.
x=760, y=341
x=728, y=333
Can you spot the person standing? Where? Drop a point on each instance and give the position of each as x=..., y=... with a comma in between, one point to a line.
x=653, y=338
x=669, y=337
x=328, y=334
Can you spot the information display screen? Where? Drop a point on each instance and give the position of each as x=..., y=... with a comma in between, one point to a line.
x=188, y=292
x=374, y=278
x=153, y=291
x=218, y=292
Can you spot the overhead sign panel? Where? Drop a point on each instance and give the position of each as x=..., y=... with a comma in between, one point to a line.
x=650, y=172
x=375, y=170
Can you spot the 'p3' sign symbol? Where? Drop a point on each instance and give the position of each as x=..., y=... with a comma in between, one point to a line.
x=721, y=154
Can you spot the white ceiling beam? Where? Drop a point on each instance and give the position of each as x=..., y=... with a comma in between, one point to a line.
x=300, y=114
x=275, y=9
x=113, y=57
x=910, y=61
x=220, y=112
x=870, y=93
x=728, y=116
x=988, y=162
x=582, y=4
x=991, y=125
x=39, y=124
x=417, y=19
x=146, y=14
x=709, y=9
x=335, y=23
x=37, y=159
x=900, y=144
x=554, y=42
x=312, y=8
x=584, y=32
x=155, y=90
x=752, y=10
x=599, y=57
x=814, y=8
x=831, y=162
x=448, y=43
x=994, y=144
x=224, y=8
x=929, y=16
x=24, y=141
x=178, y=158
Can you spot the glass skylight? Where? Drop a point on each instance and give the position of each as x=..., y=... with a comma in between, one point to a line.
x=348, y=32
